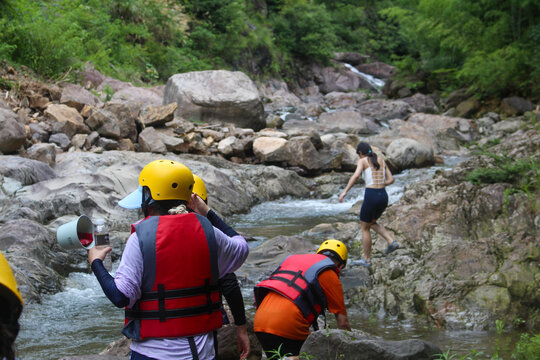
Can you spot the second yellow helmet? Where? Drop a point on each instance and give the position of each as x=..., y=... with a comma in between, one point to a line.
x=199, y=188
x=336, y=246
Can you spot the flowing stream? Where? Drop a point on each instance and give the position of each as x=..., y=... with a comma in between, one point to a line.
x=80, y=320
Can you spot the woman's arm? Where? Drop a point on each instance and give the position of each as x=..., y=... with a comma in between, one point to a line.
x=388, y=176
x=353, y=179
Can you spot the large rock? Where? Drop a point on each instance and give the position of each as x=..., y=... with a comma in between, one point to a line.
x=138, y=95
x=127, y=115
x=422, y=103
x=408, y=153
x=515, y=105
x=271, y=149
x=77, y=97
x=383, y=110
x=36, y=261
x=305, y=154
x=66, y=119
x=105, y=123
x=349, y=121
x=216, y=97
x=336, y=344
x=151, y=141
x=12, y=132
x=26, y=171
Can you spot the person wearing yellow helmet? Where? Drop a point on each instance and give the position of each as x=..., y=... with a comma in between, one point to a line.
x=228, y=283
x=168, y=275
x=11, y=304
x=295, y=294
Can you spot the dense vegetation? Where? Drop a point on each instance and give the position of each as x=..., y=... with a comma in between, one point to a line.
x=488, y=46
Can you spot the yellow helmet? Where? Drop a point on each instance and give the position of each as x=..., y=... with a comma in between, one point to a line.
x=337, y=247
x=167, y=180
x=8, y=285
x=199, y=188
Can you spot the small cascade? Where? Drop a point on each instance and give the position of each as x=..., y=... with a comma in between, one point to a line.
x=376, y=83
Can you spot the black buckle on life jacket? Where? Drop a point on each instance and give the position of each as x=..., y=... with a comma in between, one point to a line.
x=208, y=293
x=161, y=302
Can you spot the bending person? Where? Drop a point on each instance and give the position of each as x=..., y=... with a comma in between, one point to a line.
x=376, y=176
x=229, y=283
x=288, y=302
x=11, y=304
x=169, y=271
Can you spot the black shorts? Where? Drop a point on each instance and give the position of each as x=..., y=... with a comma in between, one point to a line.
x=375, y=202
x=271, y=345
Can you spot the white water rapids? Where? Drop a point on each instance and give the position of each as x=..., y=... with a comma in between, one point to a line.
x=81, y=320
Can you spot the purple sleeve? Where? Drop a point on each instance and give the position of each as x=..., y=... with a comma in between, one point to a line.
x=232, y=252
x=128, y=277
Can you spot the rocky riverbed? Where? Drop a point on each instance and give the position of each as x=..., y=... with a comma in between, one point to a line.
x=469, y=253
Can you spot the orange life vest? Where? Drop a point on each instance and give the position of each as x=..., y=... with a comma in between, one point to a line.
x=297, y=279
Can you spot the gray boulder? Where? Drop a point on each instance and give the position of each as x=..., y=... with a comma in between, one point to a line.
x=66, y=120
x=12, y=132
x=337, y=344
x=349, y=121
x=408, y=153
x=216, y=97
x=76, y=96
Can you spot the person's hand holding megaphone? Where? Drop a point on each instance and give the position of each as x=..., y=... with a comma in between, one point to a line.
x=95, y=253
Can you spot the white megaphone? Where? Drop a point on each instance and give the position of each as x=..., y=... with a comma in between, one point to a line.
x=76, y=233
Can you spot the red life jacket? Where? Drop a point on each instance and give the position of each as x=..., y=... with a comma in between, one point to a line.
x=297, y=279
x=180, y=292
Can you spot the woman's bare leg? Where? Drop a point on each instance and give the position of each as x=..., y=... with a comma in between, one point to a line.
x=366, y=239
x=379, y=229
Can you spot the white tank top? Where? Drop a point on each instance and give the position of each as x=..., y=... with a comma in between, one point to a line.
x=377, y=177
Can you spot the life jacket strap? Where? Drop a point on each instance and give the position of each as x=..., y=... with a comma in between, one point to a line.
x=308, y=295
x=161, y=302
x=193, y=348
x=172, y=313
x=181, y=293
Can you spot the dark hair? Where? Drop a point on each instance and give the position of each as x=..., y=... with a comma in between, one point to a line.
x=334, y=256
x=161, y=207
x=365, y=149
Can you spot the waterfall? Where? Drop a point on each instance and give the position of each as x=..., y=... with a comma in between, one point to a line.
x=376, y=83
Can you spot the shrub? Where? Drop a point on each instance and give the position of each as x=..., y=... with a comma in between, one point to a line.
x=528, y=347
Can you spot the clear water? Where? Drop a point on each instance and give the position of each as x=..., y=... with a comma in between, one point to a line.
x=80, y=320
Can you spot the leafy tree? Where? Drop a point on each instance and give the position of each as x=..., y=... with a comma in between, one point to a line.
x=306, y=31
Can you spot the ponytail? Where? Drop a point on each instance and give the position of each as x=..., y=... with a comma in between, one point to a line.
x=365, y=149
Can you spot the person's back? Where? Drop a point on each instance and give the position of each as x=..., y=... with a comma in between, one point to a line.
x=290, y=300
x=170, y=267
x=174, y=245
x=374, y=178
x=281, y=316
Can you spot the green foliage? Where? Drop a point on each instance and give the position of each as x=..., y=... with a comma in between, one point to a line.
x=492, y=44
x=528, y=347
x=489, y=46
x=499, y=324
x=524, y=174
x=305, y=30
x=471, y=355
